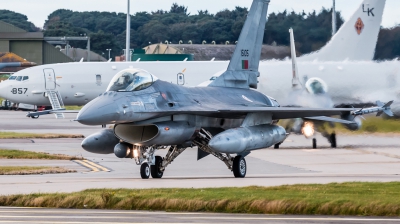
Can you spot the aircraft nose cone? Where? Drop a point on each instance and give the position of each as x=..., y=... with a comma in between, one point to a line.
x=3, y=90
x=99, y=111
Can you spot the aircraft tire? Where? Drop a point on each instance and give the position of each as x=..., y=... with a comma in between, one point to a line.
x=145, y=171
x=276, y=146
x=155, y=169
x=333, y=140
x=314, y=143
x=239, y=167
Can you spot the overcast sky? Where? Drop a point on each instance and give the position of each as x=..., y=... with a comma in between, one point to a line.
x=38, y=10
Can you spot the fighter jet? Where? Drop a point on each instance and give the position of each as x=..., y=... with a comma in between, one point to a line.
x=314, y=93
x=227, y=119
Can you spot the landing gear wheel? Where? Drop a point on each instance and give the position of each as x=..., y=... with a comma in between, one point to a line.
x=314, y=143
x=35, y=117
x=145, y=171
x=276, y=146
x=155, y=169
x=333, y=140
x=239, y=167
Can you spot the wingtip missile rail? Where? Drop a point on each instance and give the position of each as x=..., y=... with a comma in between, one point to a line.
x=380, y=109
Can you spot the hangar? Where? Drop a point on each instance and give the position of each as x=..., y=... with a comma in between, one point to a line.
x=29, y=45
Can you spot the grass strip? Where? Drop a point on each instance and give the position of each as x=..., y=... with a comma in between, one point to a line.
x=360, y=199
x=73, y=107
x=20, y=154
x=30, y=170
x=17, y=135
x=371, y=125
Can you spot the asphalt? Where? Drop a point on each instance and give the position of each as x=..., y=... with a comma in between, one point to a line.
x=61, y=216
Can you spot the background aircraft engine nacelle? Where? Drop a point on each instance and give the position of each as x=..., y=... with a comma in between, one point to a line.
x=163, y=133
x=396, y=109
x=102, y=142
x=243, y=139
x=122, y=150
x=355, y=126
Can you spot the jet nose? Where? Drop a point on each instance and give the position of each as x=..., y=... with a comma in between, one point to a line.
x=3, y=90
x=99, y=111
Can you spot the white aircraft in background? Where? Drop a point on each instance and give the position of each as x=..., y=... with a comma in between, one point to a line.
x=345, y=64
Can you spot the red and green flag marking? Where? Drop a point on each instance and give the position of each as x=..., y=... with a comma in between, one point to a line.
x=245, y=64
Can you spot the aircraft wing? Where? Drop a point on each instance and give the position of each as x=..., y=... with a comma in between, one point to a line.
x=329, y=119
x=277, y=112
x=291, y=112
x=45, y=112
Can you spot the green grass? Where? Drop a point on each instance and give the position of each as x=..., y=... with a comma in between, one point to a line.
x=364, y=199
x=17, y=135
x=19, y=154
x=73, y=107
x=29, y=170
x=371, y=125
x=4, y=77
x=375, y=125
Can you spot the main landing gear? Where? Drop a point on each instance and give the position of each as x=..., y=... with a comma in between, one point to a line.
x=236, y=164
x=154, y=166
x=331, y=138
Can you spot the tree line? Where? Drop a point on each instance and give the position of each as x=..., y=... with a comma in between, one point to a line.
x=107, y=29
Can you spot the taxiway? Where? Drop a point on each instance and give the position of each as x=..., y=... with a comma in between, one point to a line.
x=358, y=158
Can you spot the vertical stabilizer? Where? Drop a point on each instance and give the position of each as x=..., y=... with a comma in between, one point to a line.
x=356, y=39
x=295, y=71
x=243, y=71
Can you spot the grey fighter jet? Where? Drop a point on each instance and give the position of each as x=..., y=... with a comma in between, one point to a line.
x=314, y=93
x=227, y=119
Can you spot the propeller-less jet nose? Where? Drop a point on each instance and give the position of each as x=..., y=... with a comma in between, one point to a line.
x=99, y=111
x=3, y=90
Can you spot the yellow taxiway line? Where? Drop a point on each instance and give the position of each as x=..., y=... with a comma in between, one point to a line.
x=91, y=165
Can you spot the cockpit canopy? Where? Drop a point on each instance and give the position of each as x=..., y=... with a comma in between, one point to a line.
x=131, y=80
x=18, y=78
x=316, y=86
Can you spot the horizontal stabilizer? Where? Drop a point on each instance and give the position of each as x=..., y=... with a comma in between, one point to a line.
x=330, y=119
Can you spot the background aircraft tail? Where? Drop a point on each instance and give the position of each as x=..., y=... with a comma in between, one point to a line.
x=243, y=71
x=356, y=39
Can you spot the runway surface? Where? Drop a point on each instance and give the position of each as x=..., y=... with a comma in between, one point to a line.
x=67, y=216
x=358, y=158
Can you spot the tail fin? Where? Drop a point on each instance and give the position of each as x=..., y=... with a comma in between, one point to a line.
x=295, y=79
x=356, y=40
x=243, y=71
x=385, y=108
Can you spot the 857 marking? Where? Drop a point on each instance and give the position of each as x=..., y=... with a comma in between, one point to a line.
x=19, y=90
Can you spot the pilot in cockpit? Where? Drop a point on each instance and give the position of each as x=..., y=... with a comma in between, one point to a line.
x=131, y=80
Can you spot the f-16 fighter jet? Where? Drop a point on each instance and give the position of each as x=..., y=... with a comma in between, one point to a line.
x=313, y=92
x=227, y=119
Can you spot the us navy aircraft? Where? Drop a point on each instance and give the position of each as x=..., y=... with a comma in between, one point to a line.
x=225, y=118
x=78, y=83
